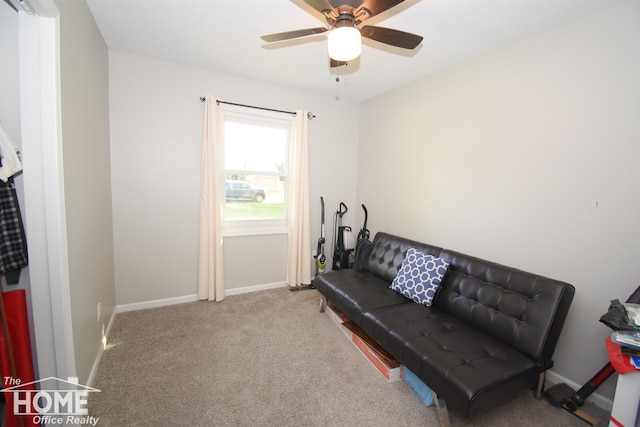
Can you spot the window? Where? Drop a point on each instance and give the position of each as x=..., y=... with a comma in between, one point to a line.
x=256, y=154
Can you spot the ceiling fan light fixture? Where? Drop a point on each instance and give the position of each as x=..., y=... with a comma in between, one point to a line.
x=345, y=43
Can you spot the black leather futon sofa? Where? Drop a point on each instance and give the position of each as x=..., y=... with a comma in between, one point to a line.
x=490, y=332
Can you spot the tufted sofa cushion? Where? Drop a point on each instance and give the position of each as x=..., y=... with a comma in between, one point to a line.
x=355, y=293
x=510, y=305
x=388, y=252
x=470, y=370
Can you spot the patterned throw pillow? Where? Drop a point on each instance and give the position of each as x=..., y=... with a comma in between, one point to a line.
x=420, y=276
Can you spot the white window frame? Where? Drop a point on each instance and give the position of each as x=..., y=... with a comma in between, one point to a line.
x=249, y=227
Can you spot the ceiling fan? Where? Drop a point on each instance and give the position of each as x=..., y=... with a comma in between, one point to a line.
x=343, y=19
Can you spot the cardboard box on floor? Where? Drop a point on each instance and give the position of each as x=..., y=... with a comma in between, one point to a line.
x=390, y=368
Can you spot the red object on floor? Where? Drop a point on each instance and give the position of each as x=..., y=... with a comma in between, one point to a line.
x=16, y=311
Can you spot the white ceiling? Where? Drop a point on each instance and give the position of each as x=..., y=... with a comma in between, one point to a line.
x=224, y=36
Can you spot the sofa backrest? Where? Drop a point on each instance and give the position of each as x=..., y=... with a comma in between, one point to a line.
x=521, y=309
x=388, y=252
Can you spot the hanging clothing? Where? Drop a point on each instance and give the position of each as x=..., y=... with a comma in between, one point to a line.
x=13, y=243
x=10, y=163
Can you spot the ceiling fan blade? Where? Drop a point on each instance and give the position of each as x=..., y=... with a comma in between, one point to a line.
x=391, y=37
x=322, y=6
x=375, y=7
x=292, y=34
x=335, y=63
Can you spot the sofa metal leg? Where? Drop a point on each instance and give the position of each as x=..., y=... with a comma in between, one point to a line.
x=441, y=409
x=323, y=304
x=541, y=379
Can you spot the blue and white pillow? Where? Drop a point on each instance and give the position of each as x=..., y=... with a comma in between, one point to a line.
x=420, y=276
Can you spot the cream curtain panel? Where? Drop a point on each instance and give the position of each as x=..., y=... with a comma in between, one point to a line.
x=299, y=228
x=211, y=265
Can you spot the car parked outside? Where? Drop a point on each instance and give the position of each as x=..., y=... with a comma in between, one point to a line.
x=241, y=190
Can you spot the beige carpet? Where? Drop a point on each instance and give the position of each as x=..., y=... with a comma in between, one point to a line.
x=263, y=359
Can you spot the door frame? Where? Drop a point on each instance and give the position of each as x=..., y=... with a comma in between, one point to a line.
x=45, y=216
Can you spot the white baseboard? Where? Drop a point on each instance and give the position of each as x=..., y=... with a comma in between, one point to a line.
x=255, y=288
x=156, y=303
x=596, y=398
x=191, y=298
x=105, y=338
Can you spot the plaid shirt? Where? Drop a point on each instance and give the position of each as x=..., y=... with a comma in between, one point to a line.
x=13, y=244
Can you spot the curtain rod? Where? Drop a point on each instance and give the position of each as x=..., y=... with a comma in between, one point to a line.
x=293, y=113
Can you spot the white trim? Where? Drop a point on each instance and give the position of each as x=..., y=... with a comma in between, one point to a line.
x=254, y=288
x=156, y=303
x=105, y=339
x=45, y=217
x=242, y=230
x=122, y=308
x=45, y=8
x=56, y=222
x=596, y=398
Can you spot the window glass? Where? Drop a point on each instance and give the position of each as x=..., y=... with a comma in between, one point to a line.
x=256, y=151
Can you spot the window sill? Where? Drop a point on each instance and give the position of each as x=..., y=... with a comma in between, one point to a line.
x=254, y=232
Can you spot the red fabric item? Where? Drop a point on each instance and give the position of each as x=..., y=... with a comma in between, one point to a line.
x=16, y=309
x=621, y=362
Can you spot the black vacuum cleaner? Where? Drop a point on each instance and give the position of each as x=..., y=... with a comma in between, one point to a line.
x=343, y=246
x=563, y=396
x=363, y=244
x=364, y=233
x=321, y=259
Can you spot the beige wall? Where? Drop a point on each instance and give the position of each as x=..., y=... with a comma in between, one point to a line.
x=85, y=134
x=527, y=155
x=157, y=123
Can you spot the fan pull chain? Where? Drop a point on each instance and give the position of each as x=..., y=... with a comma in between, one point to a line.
x=337, y=83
